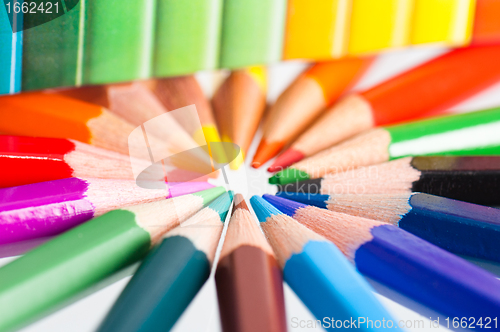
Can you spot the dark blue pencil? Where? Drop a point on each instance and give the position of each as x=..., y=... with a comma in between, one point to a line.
x=459, y=227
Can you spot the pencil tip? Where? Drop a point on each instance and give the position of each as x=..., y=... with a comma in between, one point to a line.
x=288, y=175
x=266, y=151
x=287, y=158
x=239, y=203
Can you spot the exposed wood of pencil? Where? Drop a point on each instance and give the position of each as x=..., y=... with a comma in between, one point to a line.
x=248, y=278
x=238, y=105
x=351, y=115
x=363, y=150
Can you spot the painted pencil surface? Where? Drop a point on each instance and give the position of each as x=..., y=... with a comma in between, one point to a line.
x=404, y=262
x=467, y=134
x=316, y=269
x=447, y=22
x=11, y=50
x=187, y=36
x=301, y=103
x=252, y=32
x=49, y=208
x=248, y=278
x=56, y=271
x=316, y=32
x=238, y=105
x=486, y=24
x=427, y=89
x=47, y=115
x=118, y=41
x=37, y=159
x=171, y=275
x=52, y=51
x=459, y=227
x=470, y=179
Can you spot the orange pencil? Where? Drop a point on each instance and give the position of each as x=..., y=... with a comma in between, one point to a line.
x=238, y=107
x=304, y=100
x=421, y=91
x=486, y=22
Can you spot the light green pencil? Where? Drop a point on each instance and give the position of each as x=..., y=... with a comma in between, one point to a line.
x=118, y=40
x=252, y=32
x=187, y=36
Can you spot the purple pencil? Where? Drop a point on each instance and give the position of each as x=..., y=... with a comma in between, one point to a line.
x=48, y=208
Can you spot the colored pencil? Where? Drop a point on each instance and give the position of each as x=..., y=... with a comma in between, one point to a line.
x=252, y=32
x=171, y=275
x=459, y=227
x=36, y=159
x=187, y=36
x=378, y=25
x=49, y=208
x=53, y=51
x=404, y=262
x=248, y=278
x=48, y=115
x=118, y=41
x=316, y=270
x=11, y=50
x=301, y=103
x=486, y=24
x=58, y=270
x=447, y=22
x=470, y=179
x=238, y=105
x=466, y=134
x=425, y=90
x=26, y=160
x=316, y=32
x=177, y=92
x=136, y=104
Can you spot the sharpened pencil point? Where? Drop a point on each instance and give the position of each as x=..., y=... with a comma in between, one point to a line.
x=266, y=151
x=286, y=159
x=288, y=175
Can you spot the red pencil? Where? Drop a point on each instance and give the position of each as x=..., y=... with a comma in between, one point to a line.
x=424, y=90
x=25, y=160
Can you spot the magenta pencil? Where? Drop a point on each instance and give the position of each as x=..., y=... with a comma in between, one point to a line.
x=49, y=208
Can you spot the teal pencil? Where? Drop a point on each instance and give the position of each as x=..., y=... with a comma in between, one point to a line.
x=171, y=274
x=252, y=32
x=11, y=47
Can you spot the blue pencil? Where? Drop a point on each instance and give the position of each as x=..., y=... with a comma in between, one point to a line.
x=11, y=48
x=459, y=227
x=317, y=271
x=171, y=275
x=404, y=262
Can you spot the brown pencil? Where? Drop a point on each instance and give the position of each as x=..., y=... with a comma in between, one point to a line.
x=238, y=105
x=248, y=277
x=303, y=102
